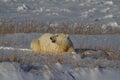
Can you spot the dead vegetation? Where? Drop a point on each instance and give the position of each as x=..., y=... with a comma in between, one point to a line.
x=28, y=56
x=35, y=60
x=30, y=26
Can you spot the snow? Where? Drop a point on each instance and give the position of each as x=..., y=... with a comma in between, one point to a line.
x=105, y=12
x=109, y=2
x=96, y=62
x=22, y=7
x=58, y=66
x=88, y=65
x=11, y=48
x=11, y=71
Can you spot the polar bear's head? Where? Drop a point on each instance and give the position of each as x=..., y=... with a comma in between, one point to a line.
x=53, y=38
x=62, y=40
x=58, y=37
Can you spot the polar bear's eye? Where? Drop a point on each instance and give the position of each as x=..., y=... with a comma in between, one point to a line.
x=51, y=38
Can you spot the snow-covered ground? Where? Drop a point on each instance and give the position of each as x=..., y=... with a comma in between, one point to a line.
x=12, y=71
x=18, y=62
x=106, y=12
x=100, y=58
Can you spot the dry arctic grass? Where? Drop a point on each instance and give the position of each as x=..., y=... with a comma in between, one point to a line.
x=9, y=27
x=35, y=60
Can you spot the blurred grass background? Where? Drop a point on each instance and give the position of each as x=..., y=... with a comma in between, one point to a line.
x=31, y=26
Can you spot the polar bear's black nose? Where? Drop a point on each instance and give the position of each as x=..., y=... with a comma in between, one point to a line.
x=53, y=41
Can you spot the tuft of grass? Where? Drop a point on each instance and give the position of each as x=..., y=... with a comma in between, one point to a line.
x=6, y=27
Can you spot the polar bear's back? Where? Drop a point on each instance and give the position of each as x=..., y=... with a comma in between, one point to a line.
x=35, y=45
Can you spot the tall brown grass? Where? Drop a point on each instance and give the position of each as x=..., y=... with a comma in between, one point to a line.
x=29, y=26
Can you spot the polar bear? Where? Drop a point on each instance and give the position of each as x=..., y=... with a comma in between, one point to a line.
x=50, y=43
x=35, y=45
x=64, y=41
